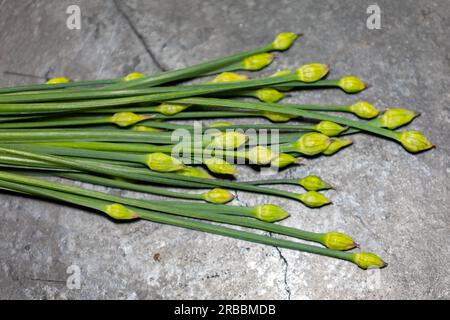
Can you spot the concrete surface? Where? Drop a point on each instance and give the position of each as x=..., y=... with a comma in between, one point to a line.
x=394, y=203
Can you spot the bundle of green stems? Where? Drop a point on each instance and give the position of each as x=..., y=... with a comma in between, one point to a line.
x=136, y=133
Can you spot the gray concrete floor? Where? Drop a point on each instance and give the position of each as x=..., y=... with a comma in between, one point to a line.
x=394, y=203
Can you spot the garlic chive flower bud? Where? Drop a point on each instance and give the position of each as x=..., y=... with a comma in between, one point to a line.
x=260, y=155
x=313, y=199
x=313, y=183
x=367, y=260
x=125, y=119
x=278, y=117
x=257, y=61
x=133, y=76
x=219, y=166
x=363, y=109
x=338, y=241
x=58, y=80
x=218, y=196
x=414, y=141
x=329, y=128
x=170, y=109
x=268, y=95
x=312, y=143
x=351, y=84
x=162, y=162
x=283, y=160
x=336, y=145
x=229, y=77
x=284, y=41
x=229, y=140
x=119, y=212
x=145, y=129
x=270, y=213
x=396, y=117
x=194, y=172
x=312, y=72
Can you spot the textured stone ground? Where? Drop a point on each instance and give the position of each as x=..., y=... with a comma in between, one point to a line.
x=394, y=203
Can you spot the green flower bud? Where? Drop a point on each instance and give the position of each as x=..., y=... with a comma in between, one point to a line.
x=312, y=143
x=313, y=183
x=119, y=212
x=394, y=118
x=351, y=84
x=194, y=172
x=278, y=117
x=257, y=61
x=338, y=241
x=218, y=196
x=284, y=41
x=145, y=129
x=367, y=260
x=268, y=95
x=270, y=213
x=329, y=128
x=414, y=141
x=162, y=162
x=219, y=166
x=220, y=124
x=228, y=77
x=313, y=199
x=336, y=145
x=169, y=109
x=283, y=160
x=58, y=80
x=125, y=119
x=229, y=140
x=364, y=109
x=260, y=155
x=133, y=76
x=312, y=72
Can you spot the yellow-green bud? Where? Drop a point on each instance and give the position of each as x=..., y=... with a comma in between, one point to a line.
x=229, y=140
x=313, y=199
x=228, y=77
x=125, y=119
x=219, y=166
x=414, y=141
x=169, y=109
x=312, y=72
x=257, y=61
x=194, y=172
x=351, y=84
x=283, y=160
x=220, y=124
x=396, y=117
x=338, y=241
x=367, y=260
x=162, y=162
x=270, y=213
x=278, y=117
x=133, y=76
x=145, y=129
x=336, y=145
x=284, y=41
x=312, y=143
x=268, y=95
x=119, y=212
x=218, y=196
x=260, y=155
x=313, y=183
x=364, y=109
x=58, y=80
x=329, y=128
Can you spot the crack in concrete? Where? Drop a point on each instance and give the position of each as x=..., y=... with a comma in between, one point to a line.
x=286, y=267
x=21, y=74
x=140, y=37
